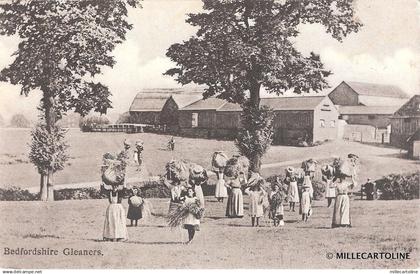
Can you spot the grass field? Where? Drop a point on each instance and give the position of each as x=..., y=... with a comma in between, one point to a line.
x=378, y=226
x=87, y=149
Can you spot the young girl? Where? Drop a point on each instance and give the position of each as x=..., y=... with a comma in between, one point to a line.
x=292, y=190
x=305, y=202
x=276, y=206
x=192, y=221
x=256, y=199
x=328, y=177
x=134, y=207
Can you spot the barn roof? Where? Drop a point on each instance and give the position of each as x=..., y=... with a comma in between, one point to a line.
x=379, y=90
x=183, y=100
x=283, y=103
x=367, y=110
x=276, y=103
x=206, y=104
x=155, y=99
x=411, y=108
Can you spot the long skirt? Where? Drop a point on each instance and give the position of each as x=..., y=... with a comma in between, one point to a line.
x=293, y=192
x=235, y=204
x=341, y=215
x=221, y=190
x=305, y=203
x=199, y=194
x=115, y=226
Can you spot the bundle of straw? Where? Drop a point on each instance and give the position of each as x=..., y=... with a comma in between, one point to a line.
x=177, y=170
x=219, y=160
x=178, y=214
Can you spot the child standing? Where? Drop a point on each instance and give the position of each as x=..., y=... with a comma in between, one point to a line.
x=256, y=199
x=305, y=202
x=292, y=190
x=192, y=221
x=276, y=206
x=134, y=207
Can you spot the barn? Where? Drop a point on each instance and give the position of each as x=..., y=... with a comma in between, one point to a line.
x=367, y=123
x=366, y=109
x=405, y=122
x=349, y=93
x=313, y=118
x=149, y=104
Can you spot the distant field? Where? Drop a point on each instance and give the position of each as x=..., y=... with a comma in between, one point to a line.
x=87, y=149
x=378, y=226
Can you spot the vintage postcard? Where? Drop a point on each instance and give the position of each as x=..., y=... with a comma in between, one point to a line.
x=209, y=134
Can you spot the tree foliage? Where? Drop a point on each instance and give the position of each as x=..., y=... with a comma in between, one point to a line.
x=48, y=150
x=256, y=135
x=243, y=45
x=246, y=42
x=64, y=43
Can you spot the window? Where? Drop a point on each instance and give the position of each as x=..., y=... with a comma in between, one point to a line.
x=371, y=117
x=194, y=120
x=407, y=120
x=322, y=123
x=332, y=123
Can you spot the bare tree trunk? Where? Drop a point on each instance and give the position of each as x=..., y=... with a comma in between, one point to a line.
x=47, y=186
x=255, y=99
x=50, y=186
x=43, y=193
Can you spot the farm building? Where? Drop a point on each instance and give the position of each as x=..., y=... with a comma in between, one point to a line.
x=169, y=116
x=149, y=104
x=413, y=143
x=366, y=109
x=367, y=123
x=405, y=122
x=367, y=94
x=313, y=118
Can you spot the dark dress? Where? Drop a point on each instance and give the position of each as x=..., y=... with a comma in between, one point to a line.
x=134, y=208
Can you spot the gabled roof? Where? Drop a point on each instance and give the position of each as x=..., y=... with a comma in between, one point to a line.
x=155, y=99
x=411, y=108
x=276, y=103
x=367, y=110
x=183, y=100
x=378, y=90
x=206, y=104
x=414, y=137
x=148, y=102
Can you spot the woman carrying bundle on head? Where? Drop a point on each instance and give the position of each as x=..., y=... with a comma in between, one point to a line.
x=344, y=182
x=177, y=173
x=235, y=203
x=113, y=183
x=219, y=161
x=187, y=214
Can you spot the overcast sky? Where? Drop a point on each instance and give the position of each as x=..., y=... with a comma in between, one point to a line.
x=385, y=50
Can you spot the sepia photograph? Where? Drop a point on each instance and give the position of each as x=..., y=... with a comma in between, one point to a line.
x=209, y=134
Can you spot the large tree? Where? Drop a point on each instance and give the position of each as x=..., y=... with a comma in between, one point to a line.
x=244, y=45
x=63, y=45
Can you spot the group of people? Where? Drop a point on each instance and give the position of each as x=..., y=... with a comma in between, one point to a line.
x=187, y=199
